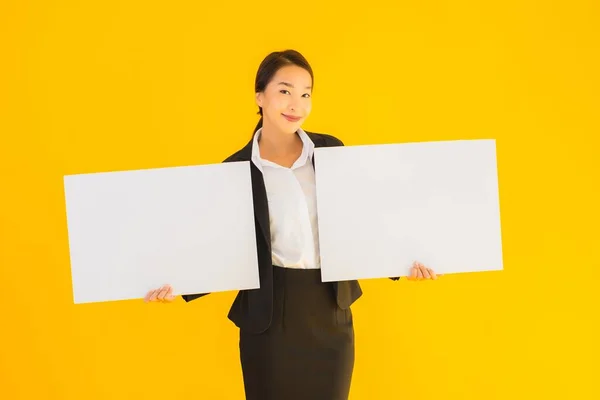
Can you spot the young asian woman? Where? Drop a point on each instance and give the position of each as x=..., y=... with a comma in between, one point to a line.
x=296, y=332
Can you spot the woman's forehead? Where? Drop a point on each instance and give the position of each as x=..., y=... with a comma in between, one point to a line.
x=293, y=75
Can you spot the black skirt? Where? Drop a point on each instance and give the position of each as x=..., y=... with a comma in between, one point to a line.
x=308, y=350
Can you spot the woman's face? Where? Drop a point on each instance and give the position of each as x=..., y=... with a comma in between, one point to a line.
x=286, y=101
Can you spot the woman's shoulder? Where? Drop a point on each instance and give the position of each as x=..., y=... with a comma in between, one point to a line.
x=239, y=155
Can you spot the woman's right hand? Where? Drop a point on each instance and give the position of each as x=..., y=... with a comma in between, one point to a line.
x=163, y=294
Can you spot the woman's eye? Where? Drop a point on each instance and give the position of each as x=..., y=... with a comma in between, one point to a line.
x=307, y=95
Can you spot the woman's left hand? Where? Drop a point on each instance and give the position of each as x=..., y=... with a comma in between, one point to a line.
x=419, y=272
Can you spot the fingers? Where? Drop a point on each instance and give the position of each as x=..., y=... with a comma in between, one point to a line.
x=431, y=273
x=413, y=274
x=163, y=294
x=420, y=272
x=150, y=296
x=168, y=297
x=424, y=271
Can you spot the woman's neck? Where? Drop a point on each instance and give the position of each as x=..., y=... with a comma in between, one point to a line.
x=277, y=143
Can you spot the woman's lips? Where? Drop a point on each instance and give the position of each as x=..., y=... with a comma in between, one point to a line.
x=292, y=119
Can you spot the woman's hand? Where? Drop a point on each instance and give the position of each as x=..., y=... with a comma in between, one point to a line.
x=163, y=294
x=419, y=272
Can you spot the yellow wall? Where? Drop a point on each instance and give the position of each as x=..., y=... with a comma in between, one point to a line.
x=114, y=85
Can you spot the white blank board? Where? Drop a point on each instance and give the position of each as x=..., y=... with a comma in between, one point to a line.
x=381, y=207
x=132, y=231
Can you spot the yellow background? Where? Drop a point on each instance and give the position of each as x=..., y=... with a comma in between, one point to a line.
x=114, y=85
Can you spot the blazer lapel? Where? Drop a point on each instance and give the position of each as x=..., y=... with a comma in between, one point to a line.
x=261, y=204
x=346, y=292
x=259, y=192
x=318, y=141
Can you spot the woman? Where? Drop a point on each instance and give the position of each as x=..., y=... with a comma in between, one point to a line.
x=296, y=332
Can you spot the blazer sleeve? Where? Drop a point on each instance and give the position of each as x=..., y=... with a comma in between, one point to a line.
x=190, y=297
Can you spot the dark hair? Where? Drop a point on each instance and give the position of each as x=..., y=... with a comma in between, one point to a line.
x=269, y=67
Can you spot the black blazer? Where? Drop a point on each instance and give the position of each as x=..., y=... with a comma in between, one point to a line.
x=252, y=310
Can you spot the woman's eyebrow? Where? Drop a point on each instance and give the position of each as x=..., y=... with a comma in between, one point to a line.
x=290, y=85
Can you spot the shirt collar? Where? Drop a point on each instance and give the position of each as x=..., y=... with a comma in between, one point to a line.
x=308, y=148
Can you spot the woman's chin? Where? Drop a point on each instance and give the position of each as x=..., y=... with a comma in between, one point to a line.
x=290, y=129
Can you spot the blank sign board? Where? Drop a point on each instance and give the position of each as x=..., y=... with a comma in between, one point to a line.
x=381, y=207
x=132, y=231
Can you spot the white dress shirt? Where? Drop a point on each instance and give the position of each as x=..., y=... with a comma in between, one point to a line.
x=292, y=207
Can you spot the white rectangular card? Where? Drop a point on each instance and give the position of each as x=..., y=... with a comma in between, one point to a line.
x=381, y=207
x=131, y=231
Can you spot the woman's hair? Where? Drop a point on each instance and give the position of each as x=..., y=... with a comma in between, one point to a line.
x=269, y=67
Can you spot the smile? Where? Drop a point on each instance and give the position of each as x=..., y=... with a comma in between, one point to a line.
x=291, y=119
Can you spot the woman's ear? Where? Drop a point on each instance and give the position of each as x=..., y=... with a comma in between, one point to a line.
x=259, y=99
